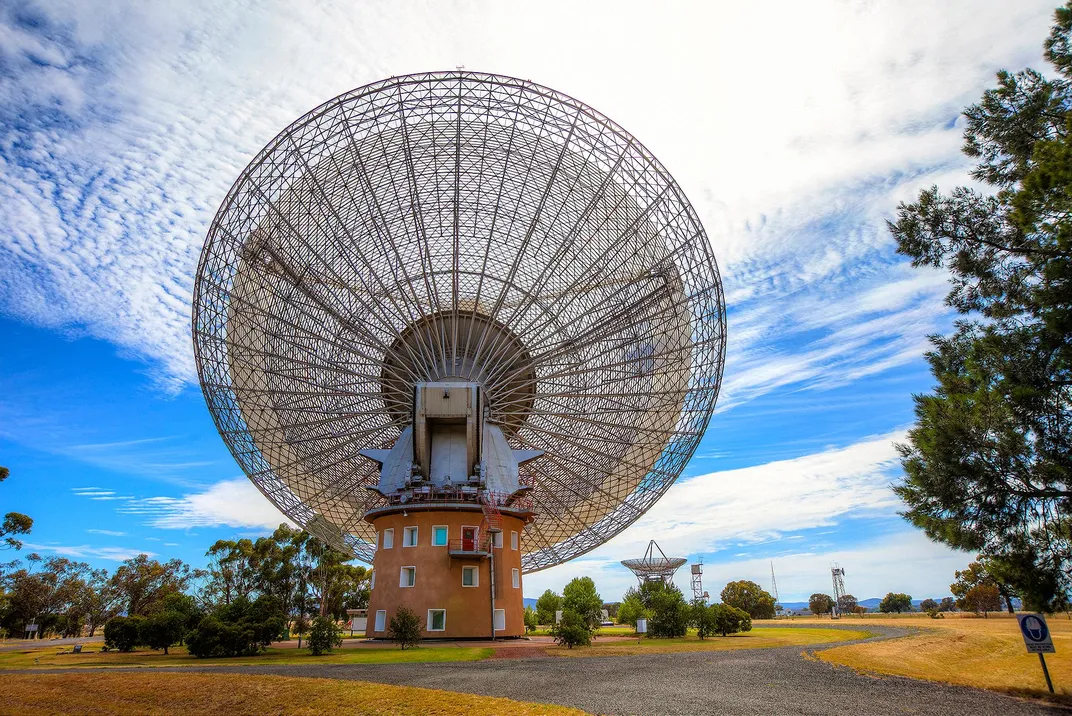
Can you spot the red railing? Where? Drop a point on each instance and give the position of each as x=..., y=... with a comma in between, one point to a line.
x=469, y=544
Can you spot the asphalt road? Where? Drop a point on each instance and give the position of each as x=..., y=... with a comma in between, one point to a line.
x=760, y=681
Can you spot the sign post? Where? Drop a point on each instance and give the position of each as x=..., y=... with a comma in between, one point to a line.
x=1037, y=640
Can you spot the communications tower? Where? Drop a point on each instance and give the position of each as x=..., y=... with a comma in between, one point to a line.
x=697, y=582
x=774, y=588
x=837, y=574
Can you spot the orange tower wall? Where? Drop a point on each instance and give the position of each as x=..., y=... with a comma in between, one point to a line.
x=438, y=578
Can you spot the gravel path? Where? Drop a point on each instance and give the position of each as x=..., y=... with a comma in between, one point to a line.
x=759, y=681
x=22, y=644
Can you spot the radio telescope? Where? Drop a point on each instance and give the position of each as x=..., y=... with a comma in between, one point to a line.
x=458, y=291
x=654, y=566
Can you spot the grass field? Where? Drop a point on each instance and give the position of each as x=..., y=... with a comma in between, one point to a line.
x=985, y=653
x=92, y=656
x=210, y=694
x=755, y=639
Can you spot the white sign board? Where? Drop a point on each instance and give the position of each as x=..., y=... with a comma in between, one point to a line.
x=558, y=616
x=1036, y=633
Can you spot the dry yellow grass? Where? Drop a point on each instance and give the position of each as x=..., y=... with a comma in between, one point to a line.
x=985, y=653
x=228, y=694
x=755, y=639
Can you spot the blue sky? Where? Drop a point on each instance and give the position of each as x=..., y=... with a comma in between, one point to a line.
x=794, y=130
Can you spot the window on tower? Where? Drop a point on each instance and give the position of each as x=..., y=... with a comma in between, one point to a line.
x=470, y=577
x=408, y=577
x=437, y=620
x=409, y=537
x=439, y=536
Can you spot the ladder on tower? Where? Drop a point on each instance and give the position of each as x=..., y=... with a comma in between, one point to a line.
x=492, y=518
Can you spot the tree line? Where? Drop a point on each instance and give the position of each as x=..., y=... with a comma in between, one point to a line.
x=250, y=593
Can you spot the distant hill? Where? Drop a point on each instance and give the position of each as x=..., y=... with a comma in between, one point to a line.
x=530, y=602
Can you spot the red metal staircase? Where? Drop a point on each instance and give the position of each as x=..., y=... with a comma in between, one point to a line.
x=492, y=518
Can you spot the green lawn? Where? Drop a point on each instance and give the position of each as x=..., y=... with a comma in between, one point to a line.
x=91, y=656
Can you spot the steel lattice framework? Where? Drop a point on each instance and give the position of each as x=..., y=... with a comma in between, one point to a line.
x=459, y=224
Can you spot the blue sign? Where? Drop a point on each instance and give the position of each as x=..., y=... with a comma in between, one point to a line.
x=1036, y=633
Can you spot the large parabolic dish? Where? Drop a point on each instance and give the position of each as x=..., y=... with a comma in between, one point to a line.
x=468, y=226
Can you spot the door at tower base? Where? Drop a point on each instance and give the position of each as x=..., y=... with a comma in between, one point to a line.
x=437, y=562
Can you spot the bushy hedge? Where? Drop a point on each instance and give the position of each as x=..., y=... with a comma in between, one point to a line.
x=241, y=628
x=123, y=633
x=324, y=635
x=721, y=619
x=670, y=613
x=572, y=630
x=405, y=628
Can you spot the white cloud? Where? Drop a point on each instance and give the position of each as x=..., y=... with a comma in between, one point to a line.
x=900, y=562
x=794, y=127
x=110, y=533
x=760, y=503
x=229, y=503
x=904, y=561
x=114, y=554
x=752, y=506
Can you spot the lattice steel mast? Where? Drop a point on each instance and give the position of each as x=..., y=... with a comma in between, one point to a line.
x=837, y=575
x=698, y=592
x=774, y=586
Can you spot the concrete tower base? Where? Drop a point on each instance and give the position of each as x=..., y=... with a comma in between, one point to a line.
x=435, y=560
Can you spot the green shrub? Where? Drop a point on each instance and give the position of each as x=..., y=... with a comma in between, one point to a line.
x=162, y=630
x=730, y=620
x=241, y=628
x=705, y=619
x=185, y=606
x=546, y=606
x=572, y=630
x=670, y=613
x=631, y=609
x=580, y=596
x=405, y=628
x=324, y=635
x=123, y=633
x=530, y=620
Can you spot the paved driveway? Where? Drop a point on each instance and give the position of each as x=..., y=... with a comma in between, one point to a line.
x=759, y=681
x=754, y=681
